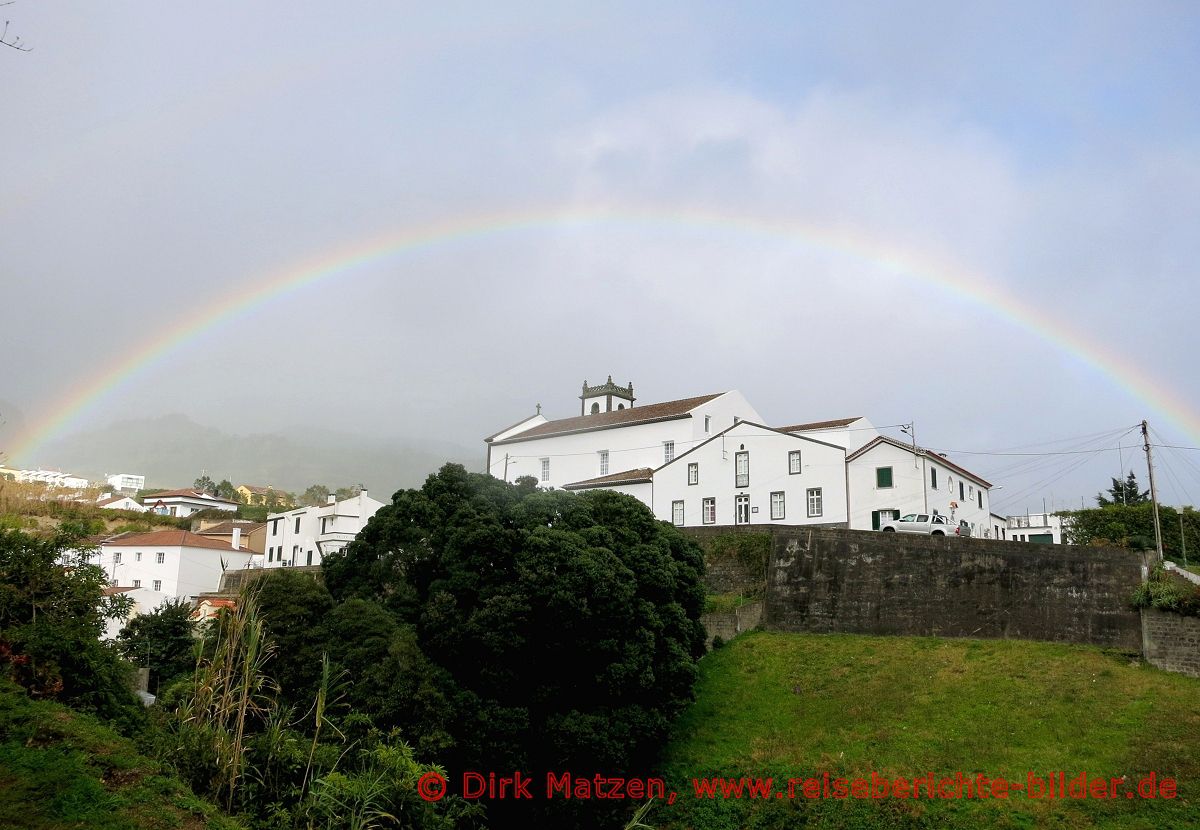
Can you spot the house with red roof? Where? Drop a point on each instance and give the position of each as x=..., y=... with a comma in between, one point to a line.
x=177, y=563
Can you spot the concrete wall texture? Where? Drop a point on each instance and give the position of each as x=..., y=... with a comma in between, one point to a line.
x=867, y=582
x=1171, y=641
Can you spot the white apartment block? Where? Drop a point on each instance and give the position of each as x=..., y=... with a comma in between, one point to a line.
x=54, y=479
x=305, y=535
x=175, y=563
x=126, y=482
x=120, y=502
x=710, y=460
x=1043, y=528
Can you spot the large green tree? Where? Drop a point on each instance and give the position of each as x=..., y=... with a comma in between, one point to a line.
x=53, y=610
x=1124, y=492
x=162, y=641
x=205, y=484
x=562, y=630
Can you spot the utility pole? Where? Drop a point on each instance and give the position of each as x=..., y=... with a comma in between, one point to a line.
x=506, y=467
x=1153, y=491
x=1182, y=540
x=911, y=429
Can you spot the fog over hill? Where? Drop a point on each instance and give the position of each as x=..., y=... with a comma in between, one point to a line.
x=173, y=450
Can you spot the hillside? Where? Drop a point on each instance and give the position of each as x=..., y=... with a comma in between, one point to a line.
x=60, y=769
x=799, y=705
x=172, y=450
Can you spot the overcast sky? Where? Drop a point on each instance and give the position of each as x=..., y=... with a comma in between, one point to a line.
x=159, y=157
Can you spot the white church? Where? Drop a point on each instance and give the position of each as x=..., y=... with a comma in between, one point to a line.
x=712, y=460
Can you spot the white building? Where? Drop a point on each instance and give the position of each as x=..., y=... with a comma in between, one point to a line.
x=304, y=535
x=1043, y=528
x=126, y=482
x=998, y=528
x=888, y=479
x=709, y=460
x=54, y=478
x=614, y=437
x=745, y=474
x=186, y=502
x=176, y=563
x=122, y=502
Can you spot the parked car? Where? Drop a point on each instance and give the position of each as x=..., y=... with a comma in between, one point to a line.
x=933, y=524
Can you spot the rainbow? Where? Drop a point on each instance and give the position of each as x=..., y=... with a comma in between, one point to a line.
x=950, y=278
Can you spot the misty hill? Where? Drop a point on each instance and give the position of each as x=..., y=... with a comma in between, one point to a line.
x=172, y=450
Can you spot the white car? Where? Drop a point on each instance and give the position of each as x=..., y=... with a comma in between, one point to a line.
x=933, y=524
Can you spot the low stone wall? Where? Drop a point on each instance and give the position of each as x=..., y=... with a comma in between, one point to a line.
x=869, y=582
x=1171, y=641
x=729, y=624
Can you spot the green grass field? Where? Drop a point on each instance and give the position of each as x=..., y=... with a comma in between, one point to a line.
x=61, y=770
x=788, y=705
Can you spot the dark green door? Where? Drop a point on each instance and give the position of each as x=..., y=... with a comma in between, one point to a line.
x=1042, y=538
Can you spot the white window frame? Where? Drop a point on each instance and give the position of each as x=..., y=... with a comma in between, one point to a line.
x=693, y=473
x=707, y=424
x=137, y=557
x=545, y=469
x=668, y=451
x=795, y=463
x=740, y=478
x=603, y=462
x=782, y=503
x=117, y=557
x=708, y=510
x=160, y=558
x=137, y=583
x=158, y=584
x=816, y=502
x=677, y=513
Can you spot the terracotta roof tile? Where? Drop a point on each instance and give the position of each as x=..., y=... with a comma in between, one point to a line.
x=618, y=417
x=627, y=477
x=172, y=538
x=226, y=528
x=840, y=422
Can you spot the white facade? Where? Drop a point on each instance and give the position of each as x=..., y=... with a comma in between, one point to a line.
x=145, y=600
x=175, y=563
x=1044, y=528
x=126, y=482
x=998, y=527
x=304, y=535
x=609, y=442
x=681, y=458
x=888, y=479
x=751, y=474
x=54, y=478
x=186, y=502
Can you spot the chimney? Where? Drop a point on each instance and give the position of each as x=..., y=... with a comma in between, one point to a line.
x=236, y=541
x=331, y=499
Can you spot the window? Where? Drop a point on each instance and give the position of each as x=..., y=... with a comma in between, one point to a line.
x=158, y=584
x=275, y=527
x=962, y=495
x=794, y=462
x=297, y=530
x=137, y=557
x=117, y=558
x=708, y=423
x=883, y=477
x=137, y=583
x=677, y=513
x=980, y=494
x=814, y=501
x=595, y=409
x=310, y=557
x=933, y=478
x=693, y=473
x=668, y=452
x=271, y=554
x=603, y=462
x=709, y=511
x=741, y=466
x=777, y=505
x=545, y=469
x=160, y=557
